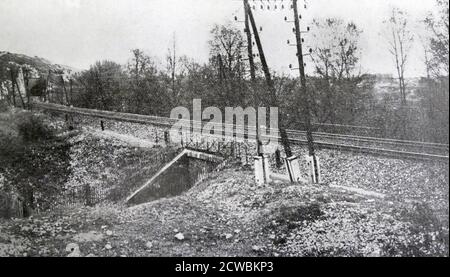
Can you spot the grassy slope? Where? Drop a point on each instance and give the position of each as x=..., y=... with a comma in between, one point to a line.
x=228, y=215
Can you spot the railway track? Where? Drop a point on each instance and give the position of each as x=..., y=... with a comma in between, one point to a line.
x=378, y=143
x=359, y=144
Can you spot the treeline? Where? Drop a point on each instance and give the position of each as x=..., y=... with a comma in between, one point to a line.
x=341, y=94
x=142, y=86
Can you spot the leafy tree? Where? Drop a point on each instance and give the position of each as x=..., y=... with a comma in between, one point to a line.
x=146, y=95
x=400, y=39
x=439, y=40
x=103, y=86
x=227, y=49
x=435, y=96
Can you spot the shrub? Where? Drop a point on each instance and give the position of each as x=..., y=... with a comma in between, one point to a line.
x=310, y=213
x=426, y=236
x=33, y=162
x=32, y=128
x=4, y=106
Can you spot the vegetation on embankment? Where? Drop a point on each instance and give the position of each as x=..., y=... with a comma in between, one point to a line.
x=33, y=161
x=48, y=166
x=228, y=215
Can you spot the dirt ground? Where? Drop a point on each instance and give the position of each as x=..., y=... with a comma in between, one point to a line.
x=229, y=215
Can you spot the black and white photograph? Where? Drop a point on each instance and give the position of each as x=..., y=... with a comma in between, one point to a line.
x=256, y=130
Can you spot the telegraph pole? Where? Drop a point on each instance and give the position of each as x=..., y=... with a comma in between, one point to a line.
x=270, y=83
x=306, y=98
x=252, y=73
x=249, y=43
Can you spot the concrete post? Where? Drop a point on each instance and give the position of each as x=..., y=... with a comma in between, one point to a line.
x=314, y=169
x=259, y=171
x=293, y=168
x=266, y=167
x=166, y=137
x=278, y=158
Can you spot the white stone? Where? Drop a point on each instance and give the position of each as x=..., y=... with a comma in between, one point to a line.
x=179, y=236
x=256, y=248
x=149, y=245
x=74, y=250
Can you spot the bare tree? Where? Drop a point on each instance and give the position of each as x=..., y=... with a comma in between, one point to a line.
x=172, y=66
x=400, y=40
x=175, y=71
x=141, y=65
x=335, y=47
x=335, y=54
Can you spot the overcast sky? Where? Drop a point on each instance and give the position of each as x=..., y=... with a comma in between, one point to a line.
x=79, y=32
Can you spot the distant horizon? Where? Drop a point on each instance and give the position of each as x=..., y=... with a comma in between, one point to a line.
x=75, y=69
x=77, y=33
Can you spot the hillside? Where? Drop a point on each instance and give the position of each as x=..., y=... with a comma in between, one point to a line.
x=41, y=65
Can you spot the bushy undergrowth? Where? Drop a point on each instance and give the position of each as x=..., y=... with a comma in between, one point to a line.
x=33, y=161
x=4, y=107
x=32, y=128
x=427, y=235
